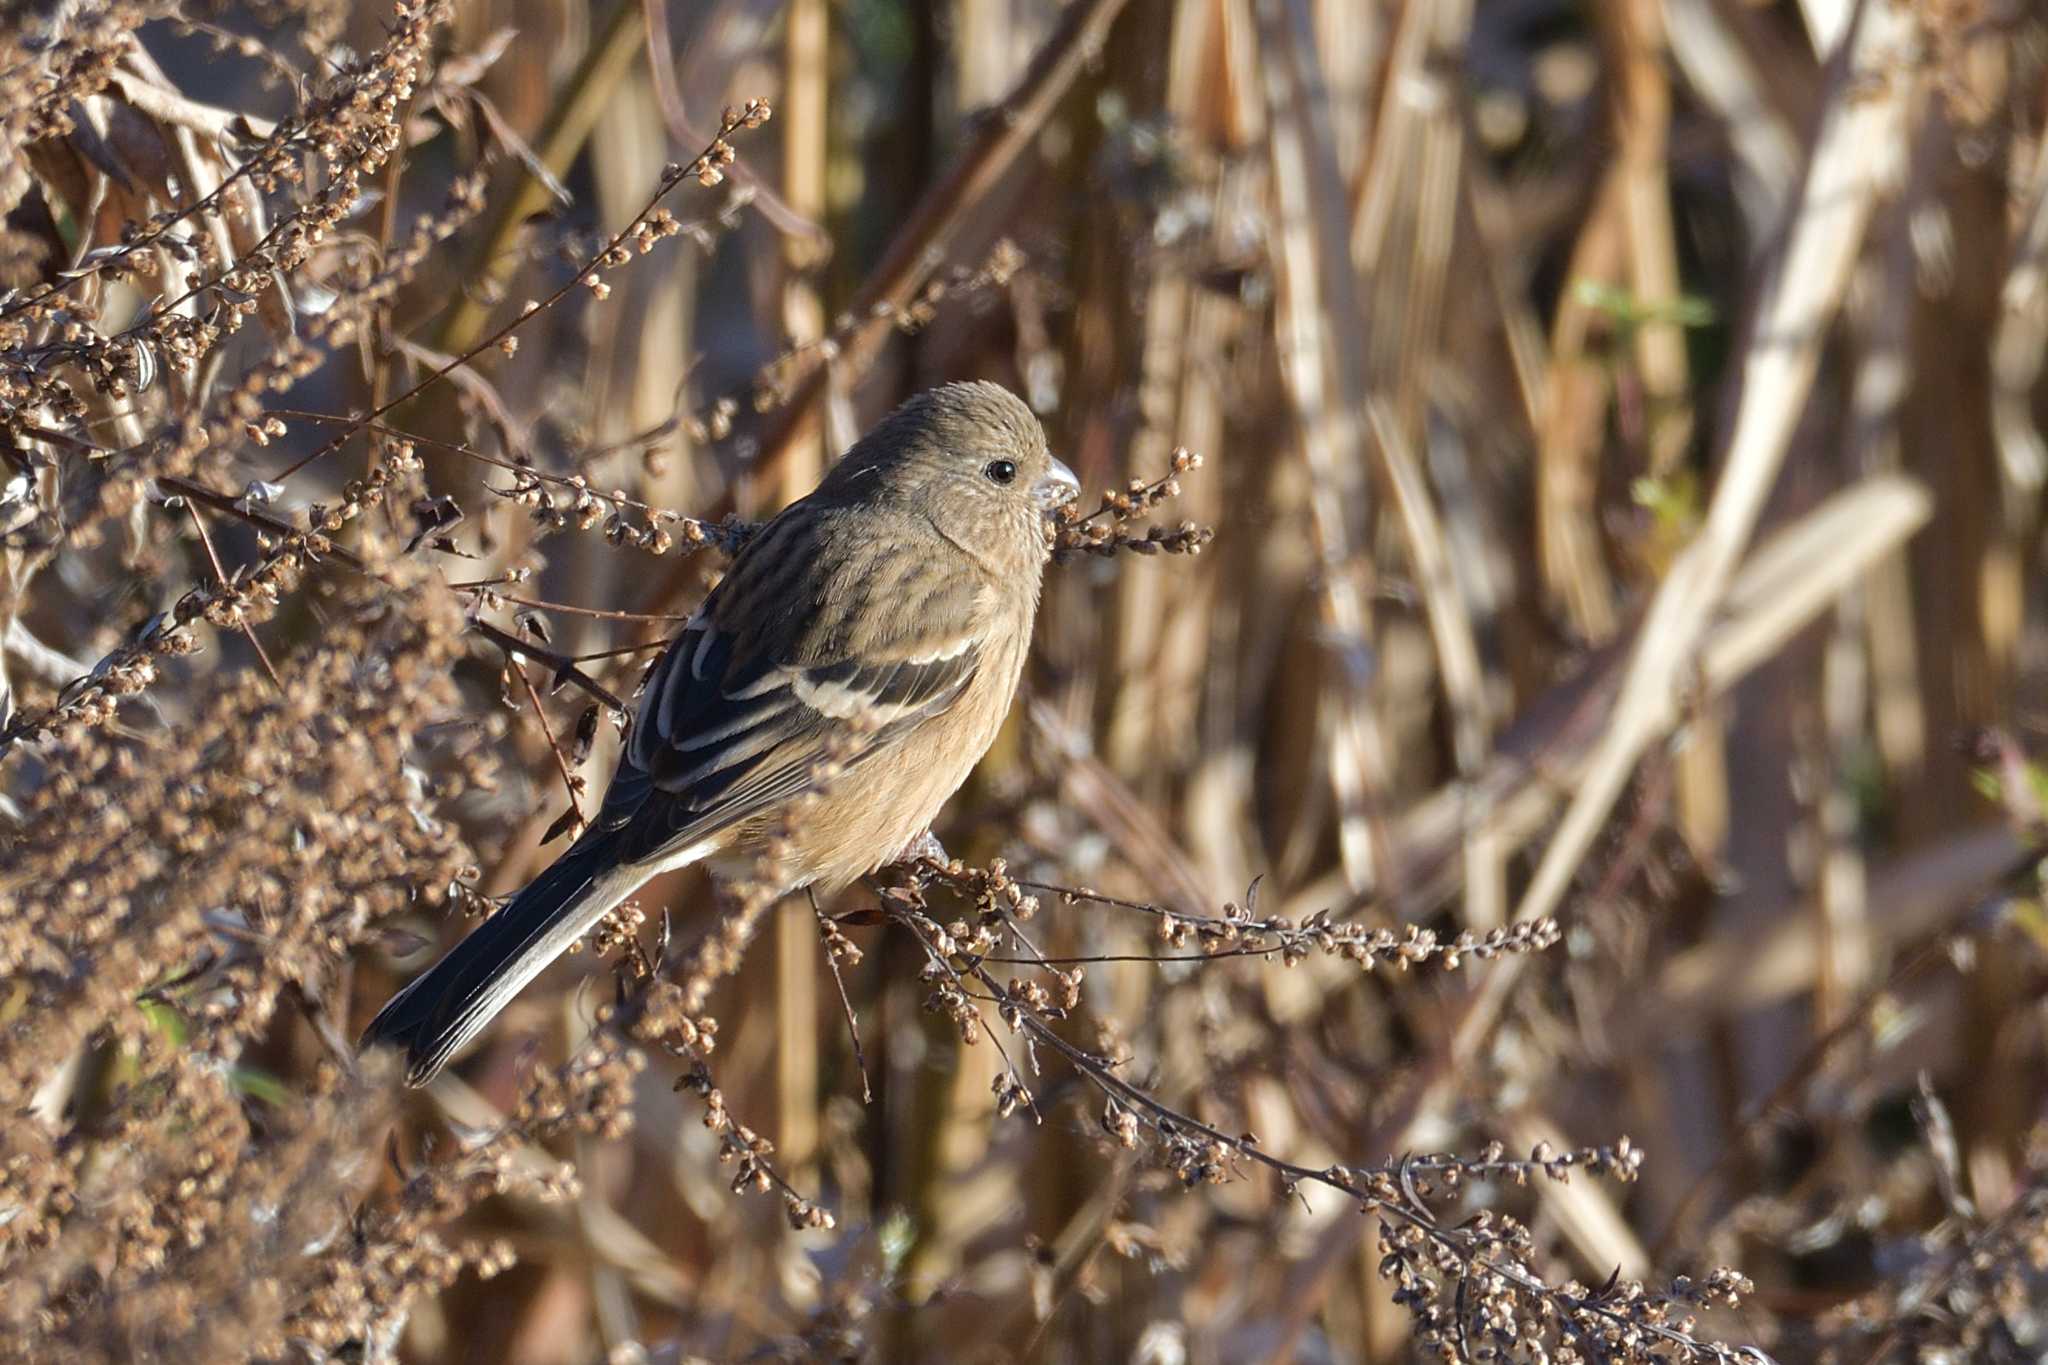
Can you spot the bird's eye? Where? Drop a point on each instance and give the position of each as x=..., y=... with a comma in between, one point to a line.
x=1001, y=471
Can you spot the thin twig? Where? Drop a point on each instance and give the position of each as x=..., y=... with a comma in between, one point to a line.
x=766, y=202
x=565, y=667
x=726, y=535
x=1388, y=1192
x=860, y=1058
x=708, y=163
x=248, y=630
x=1003, y=134
x=234, y=507
x=576, y=820
x=601, y=613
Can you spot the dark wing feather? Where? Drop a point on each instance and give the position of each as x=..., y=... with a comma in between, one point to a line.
x=810, y=635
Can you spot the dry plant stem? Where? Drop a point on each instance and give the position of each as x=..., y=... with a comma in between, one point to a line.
x=143, y=84
x=1457, y=650
x=2021, y=342
x=1570, y=424
x=1319, y=315
x=769, y=388
x=658, y=1014
x=257, y=768
x=1785, y=583
x=601, y=613
x=1635, y=31
x=221, y=575
x=282, y=136
x=920, y=245
x=1979, y=1253
x=651, y=1013
x=661, y=70
x=307, y=545
x=131, y=667
x=727, y=535
x=620, y=651
x=860, y=1057
x=1450, y=623
x=1799, y=295
x=387, y=228
x=721, y=952
x=707, y=169
x=570, y=786
x=1828, y=20
x=1409, y=198
x=1755, y=1123
x=1388, y=1192
x=1723, y=75
x=805, y=171
x=1106, y=531
x=1588, y=1218
x=610, y=1238
x=1788, y=580
x=571, y=116
x=77, y=368
x=1238, y=932
x=565, y=667
x=923, y=240
x=285, y=136
x=1851, y=157
x=236, y=507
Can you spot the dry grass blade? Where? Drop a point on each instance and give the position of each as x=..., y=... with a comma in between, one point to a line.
x=1853, y=158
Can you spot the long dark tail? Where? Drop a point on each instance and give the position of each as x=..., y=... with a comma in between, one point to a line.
x=453, y=1000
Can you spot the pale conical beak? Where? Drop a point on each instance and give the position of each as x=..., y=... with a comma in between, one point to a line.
x=1056, y=488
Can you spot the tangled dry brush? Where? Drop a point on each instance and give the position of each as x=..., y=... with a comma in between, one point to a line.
x=377, y=389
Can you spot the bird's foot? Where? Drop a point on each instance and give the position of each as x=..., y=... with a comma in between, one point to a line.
x=925, y=845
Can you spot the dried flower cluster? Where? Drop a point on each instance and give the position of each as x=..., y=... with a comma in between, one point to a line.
x=212, y=263
x=1473, y=1288
x=1240, y=931
x=1107, y=530
x=1475, y=1298
x=173, y=889
x=154, y=929
x=620, y=519
x=776, y=382
x=250, y=594
x=1975, y=1288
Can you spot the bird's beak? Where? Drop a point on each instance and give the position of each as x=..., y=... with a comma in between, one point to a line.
x=1057, y=487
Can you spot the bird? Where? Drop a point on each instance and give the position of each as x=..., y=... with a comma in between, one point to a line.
x=874, y=630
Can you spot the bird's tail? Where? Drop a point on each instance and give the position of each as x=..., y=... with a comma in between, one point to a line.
x=452, y=1001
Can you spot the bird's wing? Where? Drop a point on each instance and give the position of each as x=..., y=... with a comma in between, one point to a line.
x=818, y=645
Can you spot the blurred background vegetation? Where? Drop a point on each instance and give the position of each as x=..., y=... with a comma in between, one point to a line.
x=1622, y=435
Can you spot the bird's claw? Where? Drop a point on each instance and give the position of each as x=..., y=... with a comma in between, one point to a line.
x=925, y=845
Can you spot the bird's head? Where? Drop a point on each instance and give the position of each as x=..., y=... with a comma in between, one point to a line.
x=971, y=457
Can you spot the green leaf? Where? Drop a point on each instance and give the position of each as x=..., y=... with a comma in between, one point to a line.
x=165, y=1019
x=1674, y=501
x=1630, y=311
x=259, y=1084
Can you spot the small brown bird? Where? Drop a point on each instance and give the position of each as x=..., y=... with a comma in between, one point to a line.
x=881, y=622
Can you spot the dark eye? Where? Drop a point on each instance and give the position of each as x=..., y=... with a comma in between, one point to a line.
x=1001, y=471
